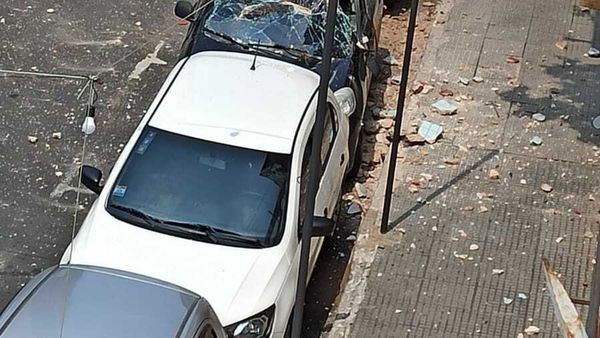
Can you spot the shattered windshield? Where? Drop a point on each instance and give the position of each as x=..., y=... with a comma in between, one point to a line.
x=296, y=24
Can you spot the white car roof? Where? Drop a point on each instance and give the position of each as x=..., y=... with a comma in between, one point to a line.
x=217, y=97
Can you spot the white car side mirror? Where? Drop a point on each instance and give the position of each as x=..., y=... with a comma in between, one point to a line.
x=346, y=100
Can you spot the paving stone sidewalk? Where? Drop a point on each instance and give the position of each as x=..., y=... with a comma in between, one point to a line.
x=464, y=257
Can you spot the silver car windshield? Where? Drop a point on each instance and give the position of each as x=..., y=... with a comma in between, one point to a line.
x=203, y=190
x=297, y=24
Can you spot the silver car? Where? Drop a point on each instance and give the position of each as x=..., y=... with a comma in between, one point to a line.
x=81, y=301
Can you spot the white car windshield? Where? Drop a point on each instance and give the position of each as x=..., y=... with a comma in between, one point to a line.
x=202, y=190
x=294, y=24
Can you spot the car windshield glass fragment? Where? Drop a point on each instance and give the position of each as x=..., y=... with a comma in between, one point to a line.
x=296, y=24
x=181, y=180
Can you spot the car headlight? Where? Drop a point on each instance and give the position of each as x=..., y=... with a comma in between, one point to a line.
x=257, y=326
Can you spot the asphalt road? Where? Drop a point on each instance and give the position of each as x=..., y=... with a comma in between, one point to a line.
x=38, y=182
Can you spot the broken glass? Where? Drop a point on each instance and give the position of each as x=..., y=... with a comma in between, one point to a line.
x=295, y=24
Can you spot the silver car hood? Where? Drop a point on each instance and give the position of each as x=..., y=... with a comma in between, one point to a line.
x=75, y=302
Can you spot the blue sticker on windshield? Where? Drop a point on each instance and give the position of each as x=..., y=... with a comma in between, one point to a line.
x=143, y=146
x=119, y=191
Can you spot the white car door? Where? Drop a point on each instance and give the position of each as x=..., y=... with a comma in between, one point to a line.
x=333, y=161
x=334, y=155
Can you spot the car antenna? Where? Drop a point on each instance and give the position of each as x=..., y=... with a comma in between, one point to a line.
x=253, y=67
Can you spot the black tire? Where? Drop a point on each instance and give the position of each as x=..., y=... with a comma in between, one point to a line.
x=356, y=158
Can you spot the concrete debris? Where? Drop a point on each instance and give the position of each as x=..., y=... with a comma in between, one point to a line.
x=452, y=161
x=593, y=52
x=445, y=107
x=483, y=209
x=414, y=139
x=588, y=234
x=559, y=239
x=444, y=91
x=430, y=131
x=507, y=301
x=383, y=113
x=382, y=138
x=569, y=322
x=539, y=117
x=536, y=141
x=561, y=44
x=57, y=135
x=428, y=177
x=386, y=123
x=497, y=272
x=361, y=190
x=596, y=122
x=532, y=330
x=482, y=195
x=512, y=59
x=493, y=174
x=354, y=209
x=463, y=80
x=32, y=139
x=478, y=79
x=427, y=89
x=390, y=60
x=461, y=256
x=418, y=87
x=546, y=187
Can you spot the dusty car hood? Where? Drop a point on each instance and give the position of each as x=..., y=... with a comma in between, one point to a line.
x=237, y=282
x=75, y=302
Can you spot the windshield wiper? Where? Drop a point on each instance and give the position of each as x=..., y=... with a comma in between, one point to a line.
x=219, y=234
x=158, y=223
x=294, y=52
x=226, y=38
x=149, y=220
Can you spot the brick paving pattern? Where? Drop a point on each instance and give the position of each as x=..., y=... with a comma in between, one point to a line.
x=433, y=281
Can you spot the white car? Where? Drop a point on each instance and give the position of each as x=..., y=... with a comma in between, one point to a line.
x=209, y=192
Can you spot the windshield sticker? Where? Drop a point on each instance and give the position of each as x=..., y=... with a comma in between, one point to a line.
x=143, y=146
x=211, y=161
x=119, y=191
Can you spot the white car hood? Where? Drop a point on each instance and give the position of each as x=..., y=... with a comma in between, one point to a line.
x=237, y=282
